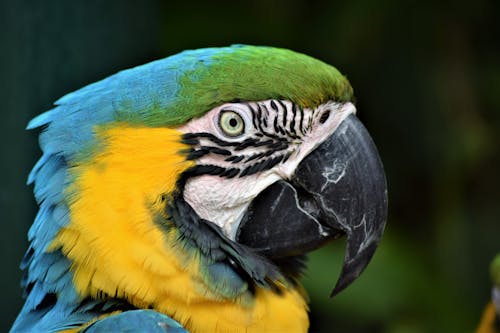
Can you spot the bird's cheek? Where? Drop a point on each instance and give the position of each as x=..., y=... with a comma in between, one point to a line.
x=224, y=201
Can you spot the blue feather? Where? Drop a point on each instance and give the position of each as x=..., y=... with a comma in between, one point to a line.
x=136, y=321
x=68, y=132
x=44, y=159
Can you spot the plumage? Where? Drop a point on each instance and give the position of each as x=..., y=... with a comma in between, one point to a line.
x=122, y=224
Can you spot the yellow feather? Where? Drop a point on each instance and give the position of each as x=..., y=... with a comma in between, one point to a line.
x=116, y=248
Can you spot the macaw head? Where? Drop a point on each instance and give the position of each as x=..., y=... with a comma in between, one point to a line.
x=235, y=161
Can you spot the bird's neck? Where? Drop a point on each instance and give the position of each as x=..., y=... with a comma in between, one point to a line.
x=118, y=249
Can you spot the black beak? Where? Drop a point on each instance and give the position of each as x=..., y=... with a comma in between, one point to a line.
x=338, y=189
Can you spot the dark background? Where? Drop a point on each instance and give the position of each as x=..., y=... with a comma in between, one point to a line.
x=427, y=80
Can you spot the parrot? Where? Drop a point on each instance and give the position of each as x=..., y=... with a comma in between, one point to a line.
x=183, y=195
x=490, y=320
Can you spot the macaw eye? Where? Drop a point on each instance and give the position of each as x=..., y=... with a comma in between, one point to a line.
x=231, y=123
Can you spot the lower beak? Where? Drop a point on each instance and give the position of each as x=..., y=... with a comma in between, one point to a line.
x=338, y=189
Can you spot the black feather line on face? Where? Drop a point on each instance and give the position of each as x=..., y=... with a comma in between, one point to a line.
x=261, y=166
x=285, y=113
x=204, y=150
x=255, y=156
x=264, y=159
x=234, y=159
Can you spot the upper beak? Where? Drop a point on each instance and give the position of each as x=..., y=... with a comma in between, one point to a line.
x=338, y=189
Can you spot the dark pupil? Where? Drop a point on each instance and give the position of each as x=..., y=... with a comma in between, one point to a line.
x=233, y=122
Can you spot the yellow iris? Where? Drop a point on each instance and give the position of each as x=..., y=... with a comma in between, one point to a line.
x=231, y=123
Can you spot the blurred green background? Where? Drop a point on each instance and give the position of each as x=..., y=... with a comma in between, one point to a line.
x=427, y=80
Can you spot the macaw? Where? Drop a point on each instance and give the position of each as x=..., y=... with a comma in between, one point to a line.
x=183, y=194
x=490, y=321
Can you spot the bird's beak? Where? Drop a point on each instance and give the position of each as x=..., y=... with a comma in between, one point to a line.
x=338, y=189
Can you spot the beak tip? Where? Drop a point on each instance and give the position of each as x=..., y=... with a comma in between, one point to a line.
x=356, y=259
x=347, y=276
x=345, y=279
x=338, y=288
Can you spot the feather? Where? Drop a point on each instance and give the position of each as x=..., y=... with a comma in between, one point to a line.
x=164, y=93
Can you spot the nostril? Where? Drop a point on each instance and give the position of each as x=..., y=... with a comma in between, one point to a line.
x=324, y=116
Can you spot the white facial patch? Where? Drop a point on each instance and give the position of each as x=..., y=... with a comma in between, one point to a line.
x=277, y=136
